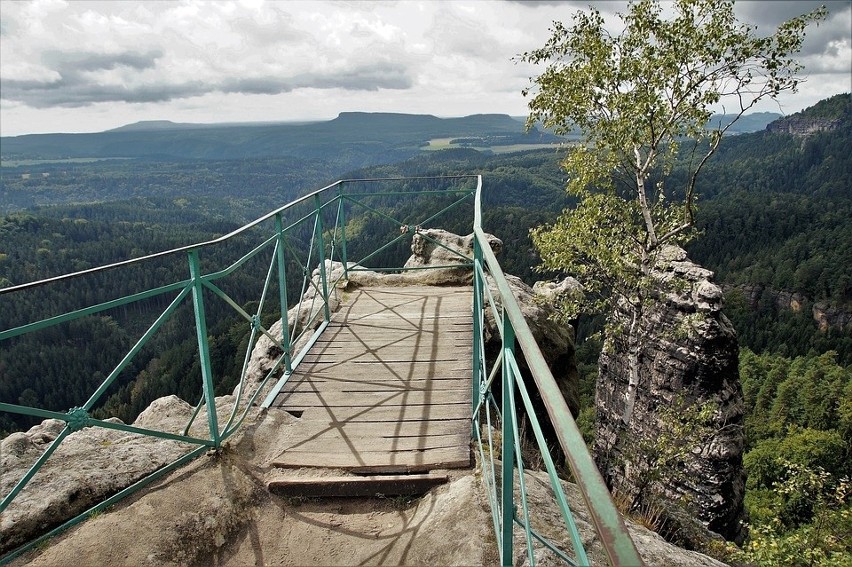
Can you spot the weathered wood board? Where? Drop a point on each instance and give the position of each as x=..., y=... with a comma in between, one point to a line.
x=386, y=388
x=349, y=486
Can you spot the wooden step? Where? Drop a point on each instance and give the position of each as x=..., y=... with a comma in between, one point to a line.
x=356, y=486
x=365, y=461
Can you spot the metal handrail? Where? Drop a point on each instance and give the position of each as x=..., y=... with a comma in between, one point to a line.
x=513, y=329
x=279, y=240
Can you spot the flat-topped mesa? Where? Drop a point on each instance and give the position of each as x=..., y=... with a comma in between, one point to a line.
x=688, y=359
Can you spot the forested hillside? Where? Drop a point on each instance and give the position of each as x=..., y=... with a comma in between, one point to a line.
x=351, y=140
x=774, y=219
x=775, y=229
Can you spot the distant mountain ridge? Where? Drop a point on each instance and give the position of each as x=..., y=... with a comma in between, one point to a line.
x=357, y=138
x=367, y=138
x=147, y=125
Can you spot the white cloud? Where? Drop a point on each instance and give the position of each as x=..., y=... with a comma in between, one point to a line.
x=206, y=61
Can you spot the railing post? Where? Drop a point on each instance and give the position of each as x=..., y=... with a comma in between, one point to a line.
x=321, y=242
x=507, y=478
x=342, y=216
x=477, y=332
x=203, y=346
x=282, y=292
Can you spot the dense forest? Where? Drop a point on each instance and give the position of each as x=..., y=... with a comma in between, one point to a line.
x=774, y=227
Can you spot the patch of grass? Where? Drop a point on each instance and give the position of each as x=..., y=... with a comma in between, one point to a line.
x=296, y=501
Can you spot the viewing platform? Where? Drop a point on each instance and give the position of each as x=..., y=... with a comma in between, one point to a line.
x=385, y=389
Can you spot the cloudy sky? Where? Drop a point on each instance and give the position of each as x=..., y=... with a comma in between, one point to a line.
x=81, y=66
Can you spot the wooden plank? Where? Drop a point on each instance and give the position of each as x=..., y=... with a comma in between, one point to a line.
x=355, y=386
x=338, y=441
x=381, y=385
x=356, y=486
x=425, y=301
x=442, y=339
x=386, y=351
x=374, y=399
x=385, y=336
x=379, y=461
x=385, y=413
x=307, y=428
x=394, y=368
x=422, y=320
x=344, y=379
x=443, y=335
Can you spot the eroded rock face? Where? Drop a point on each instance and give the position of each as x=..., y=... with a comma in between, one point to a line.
x=689, y=356
x=801, y=126
x=555, y=339
x=825, y=315
x=89, y=466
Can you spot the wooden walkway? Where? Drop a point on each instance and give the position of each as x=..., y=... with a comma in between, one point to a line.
x=386, y=389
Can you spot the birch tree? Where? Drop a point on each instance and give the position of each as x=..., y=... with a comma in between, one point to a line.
x=642, y=99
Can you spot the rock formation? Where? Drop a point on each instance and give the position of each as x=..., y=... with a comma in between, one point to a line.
x=825, y=315
x=555, y=339
x=89, y=466
x=94, y=463
x=214, y=511
x=802, y=126
x=689, y=358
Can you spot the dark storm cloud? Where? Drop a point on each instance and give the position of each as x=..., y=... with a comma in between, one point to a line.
x=365, y=78
x=76, y=87
x=72, y=94
x=821, y=38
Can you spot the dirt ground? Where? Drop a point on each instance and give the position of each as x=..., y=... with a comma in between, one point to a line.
x=217, y=511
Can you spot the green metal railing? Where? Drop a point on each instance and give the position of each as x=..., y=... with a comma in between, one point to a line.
x=514, y=332
x=283, y=247
x=287, y=243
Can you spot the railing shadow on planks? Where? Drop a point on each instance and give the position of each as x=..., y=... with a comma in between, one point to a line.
x=253, y=274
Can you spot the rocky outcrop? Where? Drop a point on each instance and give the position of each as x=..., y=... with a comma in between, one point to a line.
x=435, y=247
x=830, y=317
x=688, y=358
x=214, y=511
x=89, y=466
x=553, y=291
x=825, y=315
x=802, y=126
x=94, y=463
x=555, y=339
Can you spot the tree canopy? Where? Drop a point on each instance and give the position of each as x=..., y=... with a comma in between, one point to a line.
x=638, y=97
